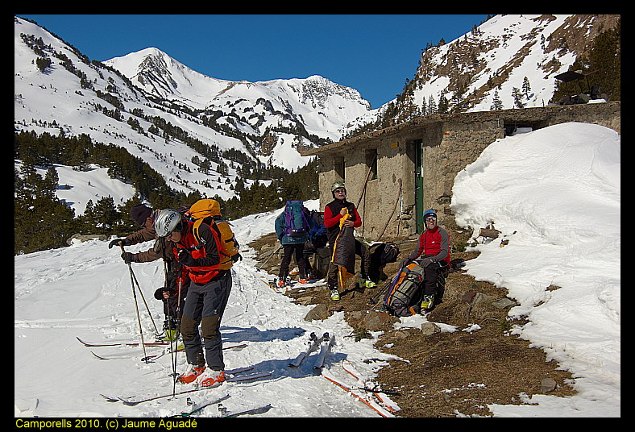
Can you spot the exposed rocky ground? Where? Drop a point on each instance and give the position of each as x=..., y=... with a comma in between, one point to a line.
x=446, y=374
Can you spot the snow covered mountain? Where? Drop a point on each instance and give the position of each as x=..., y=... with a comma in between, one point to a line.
x=201, y=133
x=506, y=62
x=496, y=57
x=321, y=106
x=198, y=132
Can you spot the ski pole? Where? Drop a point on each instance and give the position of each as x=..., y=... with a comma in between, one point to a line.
x=380, y=294
x=176, y=340
x=156, y=330
x=386, y=287
x=272, y=254
x=134, y=295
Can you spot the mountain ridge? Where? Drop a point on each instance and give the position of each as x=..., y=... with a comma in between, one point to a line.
x=58, y=90
x=508, y=61
x=162, y=76
x=193, y=129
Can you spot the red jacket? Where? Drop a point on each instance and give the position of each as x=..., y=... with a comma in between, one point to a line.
x=205, y=257
x=332, y=217
x=434, y=243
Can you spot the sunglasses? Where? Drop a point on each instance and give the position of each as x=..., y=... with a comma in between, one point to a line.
x=431, y=218
x=177, y=228
x=342, y=191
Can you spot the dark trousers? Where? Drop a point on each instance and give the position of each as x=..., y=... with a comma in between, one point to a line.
x=205, y=305
x=434, y=280
x=362, y=252
x=290, y=250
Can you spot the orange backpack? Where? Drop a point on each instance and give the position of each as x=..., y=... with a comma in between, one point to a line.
x=404, y=292
x=208, y=211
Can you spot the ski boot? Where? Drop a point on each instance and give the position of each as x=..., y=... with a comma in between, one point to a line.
x=170, y=329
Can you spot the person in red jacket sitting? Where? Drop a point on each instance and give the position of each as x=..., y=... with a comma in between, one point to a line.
x=434, y=247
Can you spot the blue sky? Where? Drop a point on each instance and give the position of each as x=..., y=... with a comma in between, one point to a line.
x=373, y=54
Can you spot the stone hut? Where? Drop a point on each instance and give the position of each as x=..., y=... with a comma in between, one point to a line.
x=393, y=174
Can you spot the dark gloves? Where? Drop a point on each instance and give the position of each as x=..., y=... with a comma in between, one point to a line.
x=128, y=257
x=185, y=257
x=158, y=294
x=426, y=262
x=406, y=261
x=118, y=242
x=237, y=257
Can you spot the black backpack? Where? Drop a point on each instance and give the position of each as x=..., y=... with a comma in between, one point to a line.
x=380, y=255
x=389, y=253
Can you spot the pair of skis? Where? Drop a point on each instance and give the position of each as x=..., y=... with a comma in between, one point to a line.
x=158, y=343
x=150, y=357
x=324, y=345
x=366, y=392
x=200, y=406
x=197, y=407
x=243, y=374
x=153, y=357
x=248, y=411
x=123, y=343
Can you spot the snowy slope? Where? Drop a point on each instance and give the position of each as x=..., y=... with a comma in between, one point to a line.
x=567, y=176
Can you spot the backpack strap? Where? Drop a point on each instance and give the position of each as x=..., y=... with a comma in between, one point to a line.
x=197, y=236
x=305, y=220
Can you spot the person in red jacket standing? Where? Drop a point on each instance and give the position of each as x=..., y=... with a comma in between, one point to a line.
x=434, y=247
x=333, y=213
x=208, y=293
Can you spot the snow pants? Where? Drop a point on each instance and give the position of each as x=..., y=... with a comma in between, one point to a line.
x=205, y=305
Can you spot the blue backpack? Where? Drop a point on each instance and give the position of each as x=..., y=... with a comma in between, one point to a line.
x=295, y=221
x=317, y=230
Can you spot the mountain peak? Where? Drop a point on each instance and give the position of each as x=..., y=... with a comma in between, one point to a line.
x=199, y=133
x=162, y=76
x=184, y=124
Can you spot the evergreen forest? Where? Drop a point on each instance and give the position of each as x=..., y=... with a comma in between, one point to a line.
x=42, y=221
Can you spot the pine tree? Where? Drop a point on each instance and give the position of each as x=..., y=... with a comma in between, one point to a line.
x=106, y=213
x=432, y=105
x=517, y=96
x=43, y=63
x=497, y=104
x=89, y=219
x=526, y=87
x=443, y=104
x=37, y=210
x=50, y=182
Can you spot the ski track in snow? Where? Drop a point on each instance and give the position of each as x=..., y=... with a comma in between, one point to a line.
x=104, y=309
